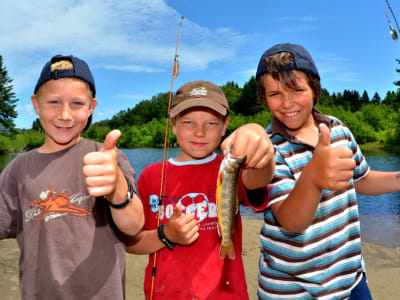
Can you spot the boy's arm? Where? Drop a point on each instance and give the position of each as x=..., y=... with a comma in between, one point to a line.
x=377, y=183
x=330, y=168
x=253, y=140
x=180, y=229
x=104, y=178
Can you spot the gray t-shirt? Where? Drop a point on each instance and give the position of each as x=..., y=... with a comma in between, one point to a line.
x=69, y=246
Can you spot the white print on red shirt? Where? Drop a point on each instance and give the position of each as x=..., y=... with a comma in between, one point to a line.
x=195, y=203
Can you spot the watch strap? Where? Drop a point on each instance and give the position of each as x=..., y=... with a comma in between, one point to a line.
x=161, y=235
x=128, y=198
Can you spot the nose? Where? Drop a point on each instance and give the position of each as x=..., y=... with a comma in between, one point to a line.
x=286, y=101
x=65, y=113
x=199, y=131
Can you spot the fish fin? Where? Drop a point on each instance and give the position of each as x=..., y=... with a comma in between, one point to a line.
x=227, y=252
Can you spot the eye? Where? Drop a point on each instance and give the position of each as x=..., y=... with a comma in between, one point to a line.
x=273, y=94
x=78, y=104
x=53, y=102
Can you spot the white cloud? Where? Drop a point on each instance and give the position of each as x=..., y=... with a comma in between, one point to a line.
x=133, y=68
x=132, y=96
x=26, y=109
x=137, y=34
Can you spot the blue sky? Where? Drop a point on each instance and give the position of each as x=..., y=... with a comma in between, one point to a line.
x=130, y=44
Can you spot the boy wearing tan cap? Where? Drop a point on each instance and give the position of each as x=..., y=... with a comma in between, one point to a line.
x=188, y=263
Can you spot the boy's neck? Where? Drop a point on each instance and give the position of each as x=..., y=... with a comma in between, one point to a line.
x=52, y=147
x=308, y=134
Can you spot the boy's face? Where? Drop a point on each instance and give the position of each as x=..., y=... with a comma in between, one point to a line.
x=291, y=106
x=63, y=106
x=198, y=132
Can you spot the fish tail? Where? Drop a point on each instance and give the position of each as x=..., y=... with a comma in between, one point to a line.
x=227, y=252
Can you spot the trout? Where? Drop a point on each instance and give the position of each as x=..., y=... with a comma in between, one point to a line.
x=227, y=201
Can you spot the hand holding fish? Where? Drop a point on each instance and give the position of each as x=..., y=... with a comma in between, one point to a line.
x=182, y=229
x=252, y=140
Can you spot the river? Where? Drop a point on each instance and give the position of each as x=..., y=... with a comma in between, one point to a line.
x=380, y=215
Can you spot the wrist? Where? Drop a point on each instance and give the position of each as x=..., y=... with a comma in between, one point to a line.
x=163, y=238
x=129, y=197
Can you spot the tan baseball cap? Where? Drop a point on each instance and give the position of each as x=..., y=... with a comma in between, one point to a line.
x=199, y=94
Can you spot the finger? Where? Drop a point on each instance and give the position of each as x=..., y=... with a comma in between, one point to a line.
x=110, y=142
x=324, y=136
x=98, y=181
x=227, y=143
x=344, y=152
x=99, y=191
x=177, y=212
x=97, y=170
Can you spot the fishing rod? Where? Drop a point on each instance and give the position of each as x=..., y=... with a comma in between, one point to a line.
x=175, y=73
x=393, y=32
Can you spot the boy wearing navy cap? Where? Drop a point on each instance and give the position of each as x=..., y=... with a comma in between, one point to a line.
x=69, y=202
x=311, y=243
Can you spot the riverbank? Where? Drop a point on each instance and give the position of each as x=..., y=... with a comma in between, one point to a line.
x=382, y=264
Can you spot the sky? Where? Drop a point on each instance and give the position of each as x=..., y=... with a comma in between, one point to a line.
x=130, y=44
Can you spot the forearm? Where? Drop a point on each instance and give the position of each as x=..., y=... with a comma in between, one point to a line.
x=257, y=178
x=145, y=242
x=129, y=219
x=377, y=183
x=297, y=211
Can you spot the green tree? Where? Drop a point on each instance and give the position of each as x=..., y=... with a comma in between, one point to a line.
x=7, y=99
x=232, y=92
x=248, y=104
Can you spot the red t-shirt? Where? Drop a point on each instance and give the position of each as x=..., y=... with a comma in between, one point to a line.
x=195, y=271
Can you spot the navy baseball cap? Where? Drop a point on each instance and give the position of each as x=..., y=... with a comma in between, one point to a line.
x=302, y=60
x=80, y=70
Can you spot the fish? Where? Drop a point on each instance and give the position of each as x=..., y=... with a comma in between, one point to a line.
x=227, y=201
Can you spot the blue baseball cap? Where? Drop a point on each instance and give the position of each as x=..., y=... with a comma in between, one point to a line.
x=302, y=60
x=80, y=70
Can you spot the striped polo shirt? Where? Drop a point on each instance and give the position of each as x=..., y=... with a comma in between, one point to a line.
x=324, y=261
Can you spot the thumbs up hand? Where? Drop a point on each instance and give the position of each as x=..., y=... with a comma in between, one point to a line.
x=101, y=169
x=182, y=229
x=331, y=167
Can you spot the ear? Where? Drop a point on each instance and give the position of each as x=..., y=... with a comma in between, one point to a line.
x=92, y=106
x=173, y=121
x=226, y=122
x=35, y=102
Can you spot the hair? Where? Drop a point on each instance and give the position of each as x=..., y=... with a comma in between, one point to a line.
x=274, y=64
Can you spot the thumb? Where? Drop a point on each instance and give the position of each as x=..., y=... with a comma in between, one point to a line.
x=177, y=212
x=111, y=140
x=324, y=136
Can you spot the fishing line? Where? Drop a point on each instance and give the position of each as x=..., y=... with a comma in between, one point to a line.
x=162, y=195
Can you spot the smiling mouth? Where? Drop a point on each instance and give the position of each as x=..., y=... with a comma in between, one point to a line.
x=63, y=128
x=290, y=115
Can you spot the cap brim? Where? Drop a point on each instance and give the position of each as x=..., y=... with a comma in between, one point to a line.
x=198, y=103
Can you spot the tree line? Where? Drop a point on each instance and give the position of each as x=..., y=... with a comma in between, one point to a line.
x=373, y=121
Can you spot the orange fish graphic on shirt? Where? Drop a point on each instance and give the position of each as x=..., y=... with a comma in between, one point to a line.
x=58, y=203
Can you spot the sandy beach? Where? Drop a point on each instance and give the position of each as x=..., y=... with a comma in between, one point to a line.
x=382, y=264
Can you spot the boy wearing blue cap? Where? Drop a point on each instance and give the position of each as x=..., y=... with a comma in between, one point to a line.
x=311, y=244
x=69, y=202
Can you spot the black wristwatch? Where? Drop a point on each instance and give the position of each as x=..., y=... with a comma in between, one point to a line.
x=161, y=235
x=128, y=198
